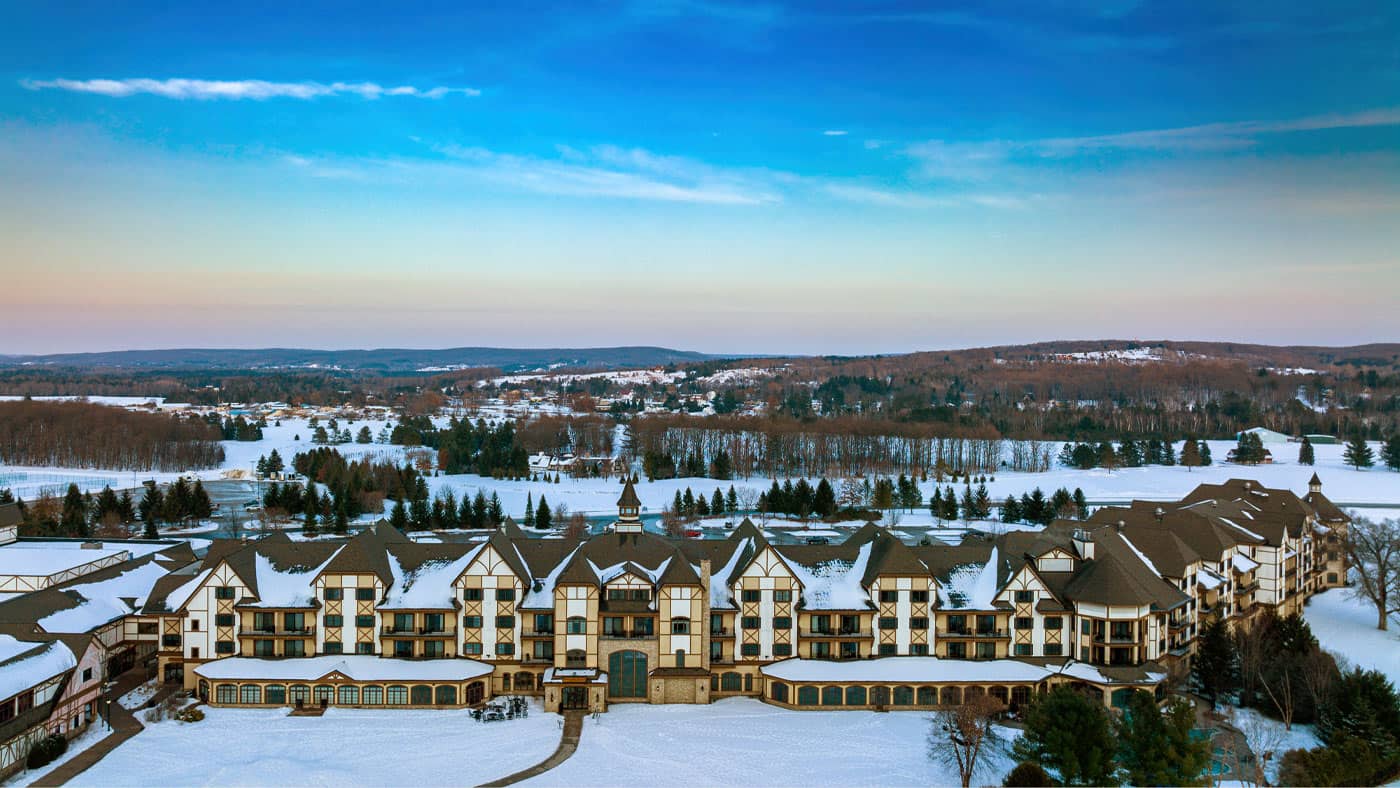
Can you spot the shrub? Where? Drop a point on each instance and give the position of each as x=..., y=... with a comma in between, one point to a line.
x=189, y=715
x=46, y=750
x=1030, y=775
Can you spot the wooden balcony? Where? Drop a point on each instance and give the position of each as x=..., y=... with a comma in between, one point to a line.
x=276, y=632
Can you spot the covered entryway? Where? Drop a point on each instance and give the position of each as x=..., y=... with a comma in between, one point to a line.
x=574, y=699
x=627, y=674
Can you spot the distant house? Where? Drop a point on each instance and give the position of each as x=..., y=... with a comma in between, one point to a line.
x=1268, y=458
x=1322, y=440
x=1266, y=436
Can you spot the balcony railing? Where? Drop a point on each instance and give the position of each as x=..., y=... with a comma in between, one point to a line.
x=973, y=633
x=629, y=634
x=836, y=633
x=1117, y=640
x=276, y=632
x=539, y=633
x=1247, y=588
x=425, y=632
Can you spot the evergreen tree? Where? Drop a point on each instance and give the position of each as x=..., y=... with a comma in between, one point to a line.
x=420, y=514
x=543, y=516
x=529, y=511
x=152, y=506
x=1010, y=510
x=1130, y=453
x=982, y=503
x=1305, y=452
x=149, y=531
x=481, y=510
x=1215, y=669
x=969, y=508
x=363, y=435
x=824, y=499
x=1358, y=453
x=1157, y=747
x=950, y=504
x=74, y=520
x=1066, y=457
x=496, y=515
x=1081, y=504
x=311, y=505
x=342, y=519
x=1070, y=734
x=398, y=516
x=1205, y=453
x=125, y=507
x=274, y=462
x=717, y=502
x=731, y=499
x=201, y=507
x=1190, y=454
x=702, y=506
x=261, y=468
x=1390, y=452
x=688, y=504
x=935, y=503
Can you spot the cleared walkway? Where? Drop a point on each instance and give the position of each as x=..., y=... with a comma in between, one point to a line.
x=568, y=743
x=124, y=726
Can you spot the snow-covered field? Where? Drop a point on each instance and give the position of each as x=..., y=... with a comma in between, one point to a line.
x=94, y=734
x=741, y=741
x=345, y=747
x=1346, y=627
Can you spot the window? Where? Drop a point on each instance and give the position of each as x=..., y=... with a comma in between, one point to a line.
x=294, y=648
x=821, y=650
x=194, y=625
x=421, y=695
x=918, y=622
x=295, y=622
x=615, y=625
x=850, y=625
x=364, y=648
x=372, y=696
x=576, y=625
x=888, y=650
x=1084, y=627
x=250, y=694
x=364, y=621
x=1025, y=597
x=850, y=650
x=265, y=622
x=889, y=596
x=831, y=696
x=889, y=622
x=348, y=695
x=1054, y=622
x=807, y=696
x=403, y=649
x=751, y=595
x=1053, y=649
x=903, y=696
x=782, y=596
x=146, y=628
x=680, y=626
x=782, y=649
x=1023, y=650
x=223, y=647
x=918, y=649
x=225, y=693
x=643, y=626
x=505, y=595
x=957, y=623
x=957, y=651
x=471, y=594
x=821, y=623
x=471, y=622
x=264, y=648
x=986, y=624
x=333, y=622
x=364, y=594
x=505, y=622
x=333, y=594
x=544, y=649
x=223, y=619
x=730, y=682
x=275, y=694
x=87, y=675
x=750, y=622
x=782, y=622
x=544, y=623
x=918, y=596
x=780, y=692
x=680, y=657
x=333, y=647
x=748, y=682
x=749, y=649
x=299, y=692
x=716, y=623
x=396, y=695
x=986, y=650
x=471, y=648
x=855, y=696
x=1025, y=622
x=446, y=694
x=403, y=622
x=505, y=649
x=24, y=701
x=194, y=652
x=223, y=592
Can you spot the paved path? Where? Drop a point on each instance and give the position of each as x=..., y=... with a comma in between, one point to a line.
x=573, y=728
x=124, y=726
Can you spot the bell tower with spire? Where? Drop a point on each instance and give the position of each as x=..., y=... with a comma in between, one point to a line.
x=1314, y=484
x=629, y=511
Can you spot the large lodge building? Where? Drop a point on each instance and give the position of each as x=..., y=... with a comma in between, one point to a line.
x=1111, y=604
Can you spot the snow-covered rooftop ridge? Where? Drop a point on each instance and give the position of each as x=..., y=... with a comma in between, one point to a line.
x=972, y=586
x=608, y=574
x=544, y=596
x=834, y=584
x=430, y=586
x=357, y=667
x=105, y=600
x=1141, y=556
x=28, y=663
x=1241, y=529
x=177, y=598
x=290, y=587
x=721, y=595
x=1243, y=563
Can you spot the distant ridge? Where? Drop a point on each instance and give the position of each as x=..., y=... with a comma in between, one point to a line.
x=379, y=359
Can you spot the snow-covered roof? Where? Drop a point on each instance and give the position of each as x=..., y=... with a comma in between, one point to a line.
x=28, y=663
x=291, y=587
x=1241, y=528
x=906, y=669
x=1243, y=563
x=430, y=586
x=721, y=595
x=834, y=584
x=555, y=674
x=356, y=667
x=105, y=600
x=177, y=598
x=542, y=595
x=1141, y=556
x=1086, y=672
x=1208, y=580
x=971, y=586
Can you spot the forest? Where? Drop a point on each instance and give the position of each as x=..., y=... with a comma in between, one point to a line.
x=86, y=435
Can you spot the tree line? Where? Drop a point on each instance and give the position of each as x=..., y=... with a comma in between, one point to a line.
x=86, y=435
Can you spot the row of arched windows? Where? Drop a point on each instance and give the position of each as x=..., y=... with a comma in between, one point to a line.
x=900, y=695
x=344, y=695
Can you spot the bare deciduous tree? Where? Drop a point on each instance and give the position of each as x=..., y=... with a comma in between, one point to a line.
x=960, y=736
x=1373, y=549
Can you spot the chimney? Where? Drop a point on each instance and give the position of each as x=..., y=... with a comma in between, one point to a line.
x=1119, y=526
x=1159, y=514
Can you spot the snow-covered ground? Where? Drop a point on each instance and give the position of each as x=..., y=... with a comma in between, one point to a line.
x=741, y=741
x=345, y=747
x=1346, y=626
x=95, y=733
x=1268, y=737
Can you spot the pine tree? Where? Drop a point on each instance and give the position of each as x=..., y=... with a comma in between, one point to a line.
x=1205, y=453
x=1071, y=734
x=529, y=511
x=1390, y=452
x=969, y=508
x=1305, y=452
x=481, y=510
x=496, y=514
x=1081, y=504
x=824, y=499
x=717, y=502
x=1190, y=454
x=274, y=462
x=398, y=516
x=152, y=506
x=688, y=503
x=542, y=514
x=702, y=506
x=1010, y=510
x=363, y=436
x=1130, y=453
x=1215, y=668
x=950, y=504
x=342, y=519
x=982, y=502
x=1358, y=453
x=935, y=503
x=731, y=499
x=1157, y=747
x=74, y=520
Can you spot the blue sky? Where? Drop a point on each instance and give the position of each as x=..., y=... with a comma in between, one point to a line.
x=746, y=177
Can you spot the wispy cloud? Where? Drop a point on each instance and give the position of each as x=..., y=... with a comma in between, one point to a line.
x=235, y=90
x=835, y=133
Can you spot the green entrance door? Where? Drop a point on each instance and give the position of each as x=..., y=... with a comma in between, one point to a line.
x=627, y=674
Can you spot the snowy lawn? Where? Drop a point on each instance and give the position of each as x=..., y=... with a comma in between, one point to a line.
x=138, y=697
x=345, y=747
x=1268, y=736
x=741, y=741
x=95, y=733
x=1346, y=627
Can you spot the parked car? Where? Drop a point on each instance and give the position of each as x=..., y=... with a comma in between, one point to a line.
x=818, y=540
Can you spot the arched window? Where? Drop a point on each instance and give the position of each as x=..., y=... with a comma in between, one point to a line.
x=575, y=625
x=226, y=693
x=975, y=691
x=880, y=696
x=952, y=696
x=420, y=695
x=1020, y=696
x=372, y=695
x=323, y=693
x=446, y=694
x=999, y=693
x=275, y=694
x=575, y=658
x=903, y=696
x=396, y=695
x=780, y=692
x=250, y=694
x=748, y=682
x=855, y=696
x=730, y=682
x=505, y=682
x=299, y=692
x=928, y=696
x=524, y=681
x=807, y=696
x=831, y=696
x=349, y=695
x=204, y=690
